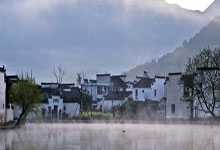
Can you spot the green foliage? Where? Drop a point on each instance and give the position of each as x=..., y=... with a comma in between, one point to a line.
x=86, y=101
x=26, y=94
x=96, y=115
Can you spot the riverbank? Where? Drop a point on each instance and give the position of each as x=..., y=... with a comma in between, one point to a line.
x=196, y=122
x=163, y=122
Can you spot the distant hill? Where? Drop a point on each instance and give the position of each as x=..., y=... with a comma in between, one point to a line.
x=175, y=61
x=214, y=9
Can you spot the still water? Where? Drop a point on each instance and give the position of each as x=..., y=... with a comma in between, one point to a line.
x=111, y=137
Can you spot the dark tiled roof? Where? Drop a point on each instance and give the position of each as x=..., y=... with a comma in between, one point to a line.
x=123, y=75
x=93, y=81
x=2, y=69
x=118, y=95
x=144, y=83
x=12, y=78
x=175, y=73
x=68, y=96
x=66, y=86
x=117, y=82
x=86, y=80
x=103, y=74
x=160, y=77
x=48, y=83
x=73, y=96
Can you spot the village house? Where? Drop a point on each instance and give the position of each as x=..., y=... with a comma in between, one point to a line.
x=61, y=101
x=180, y=100
x=117, y=94
x=148, y=88
x=6, y=112
x=98, y=88
x=107, y=91
x=2, y=95
x=179, y=104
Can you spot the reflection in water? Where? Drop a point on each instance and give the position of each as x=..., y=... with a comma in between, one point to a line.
x=111, y=137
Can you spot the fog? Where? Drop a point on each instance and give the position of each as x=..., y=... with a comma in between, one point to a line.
x=111, y=137
x=93, y=36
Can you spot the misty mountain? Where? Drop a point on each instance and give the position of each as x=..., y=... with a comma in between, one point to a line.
x=90, y=36
x=214, y=9
x=208, y=36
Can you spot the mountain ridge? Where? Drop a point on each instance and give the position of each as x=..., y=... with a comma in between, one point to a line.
x=208, y=36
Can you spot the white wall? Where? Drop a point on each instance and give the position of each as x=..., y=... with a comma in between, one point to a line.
x=103, y=79
x=143, y=94
x=174, y=95
x=91, y=90
x=72, y=109
x=2, y=97
x=108, y=104
x=159, y=87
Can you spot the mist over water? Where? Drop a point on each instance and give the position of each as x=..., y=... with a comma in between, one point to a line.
x=111, y=137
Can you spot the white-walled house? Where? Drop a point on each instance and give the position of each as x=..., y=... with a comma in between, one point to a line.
x=115, y=99
x=177, y=106
x=6, y=112
x=2, y=95
x=148, y=89
x=180, y=102
x=60, y=101
x=57, y=108
x=98, y=88
x=158, y=88
x=103, y=87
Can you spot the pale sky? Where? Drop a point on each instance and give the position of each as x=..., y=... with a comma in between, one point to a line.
x=200, y=5
x=90, y=36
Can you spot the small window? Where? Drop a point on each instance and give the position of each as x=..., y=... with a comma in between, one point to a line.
x=3, y=106
x=173, y=109
x=142, y=91
x=136, y=92
x=49, y=110
x=56, y=100
x=155, y=92
x=99, y=89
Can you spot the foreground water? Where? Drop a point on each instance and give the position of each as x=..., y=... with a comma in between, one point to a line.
x=111, y=137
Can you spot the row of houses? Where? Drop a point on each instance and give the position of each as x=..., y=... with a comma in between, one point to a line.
x=163, y=95
x=112, y=91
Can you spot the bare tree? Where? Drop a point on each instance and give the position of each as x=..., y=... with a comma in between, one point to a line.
x=205, y=81
x=59, y=72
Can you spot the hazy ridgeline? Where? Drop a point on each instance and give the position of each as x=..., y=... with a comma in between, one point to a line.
x=175, y=61
x=111, y=137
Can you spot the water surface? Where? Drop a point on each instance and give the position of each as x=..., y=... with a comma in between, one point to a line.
x=111, y=137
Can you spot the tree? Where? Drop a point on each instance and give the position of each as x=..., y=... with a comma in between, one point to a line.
x=79, y=79
x=26, y=94
x=86, y=101
x=59, y=72
x=205, y=79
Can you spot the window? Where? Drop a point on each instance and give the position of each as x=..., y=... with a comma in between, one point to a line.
x=186, y=91
x=49, y=110
x=55, y=101
x=99, y=89
x=142, y=91
x=155, y=92
x=136, y=93
x=3, y=106
x=173, y=109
